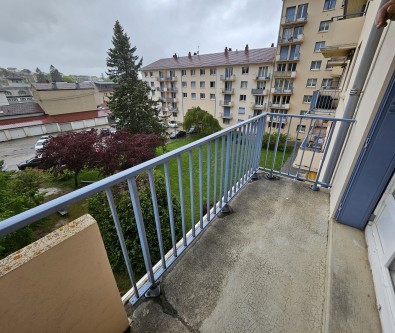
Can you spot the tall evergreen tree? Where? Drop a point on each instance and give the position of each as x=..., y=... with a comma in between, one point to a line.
x=55, y=74
x=41, y=77
x=130, y=102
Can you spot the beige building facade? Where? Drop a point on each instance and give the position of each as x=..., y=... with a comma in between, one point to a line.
x=232, y=85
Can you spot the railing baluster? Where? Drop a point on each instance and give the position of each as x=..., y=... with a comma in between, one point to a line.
x=268, y=139
x=208, y=181
x=156, y=214
x=192, y=191
x=121, y=239
x=243, y=154
x=170, y=208
x=215, y=176
x=253, y=149
x=295, y=143
x=221, y=193
x=226, y=187
x=180, y=185
x=276, y=145
x=201, y=186
x=304, y=149
x=141, y=228
x=245, y=172
x=232, y=167
x=238, y=141
x=286, y=144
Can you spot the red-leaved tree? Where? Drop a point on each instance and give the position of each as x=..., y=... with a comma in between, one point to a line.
x=74, y=151
x=122, y=150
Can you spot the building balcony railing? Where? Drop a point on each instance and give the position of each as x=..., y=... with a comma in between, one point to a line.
x=325, y=101
x=283, y=90
x=172, y=89
x=277, y=119
x=279, y=106
x=234, y=154
x=226, y=103
x=226, y=115
x=291, y=39
x=259, y=106
x=228, y=77
x=284, y=74
x=228, y=91
x=259, y=92
x=171, y=78
x=262, y=77
x=295, y=57
x=161, y=89
x=294, y=20
x=170, y=100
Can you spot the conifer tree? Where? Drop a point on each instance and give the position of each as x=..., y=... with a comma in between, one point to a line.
x=55, y=74
x=130, y=102
x=41, y=77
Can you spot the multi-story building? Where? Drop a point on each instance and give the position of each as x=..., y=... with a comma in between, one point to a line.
x=232, y=85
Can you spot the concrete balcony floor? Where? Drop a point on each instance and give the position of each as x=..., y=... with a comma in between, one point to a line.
x=275, y=265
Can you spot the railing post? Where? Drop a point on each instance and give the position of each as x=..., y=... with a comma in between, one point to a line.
x=226, y=209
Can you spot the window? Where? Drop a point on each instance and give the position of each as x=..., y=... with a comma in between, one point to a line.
x=329, y=4
x=319, y=46
x=185, y=95
x=324, y=26
x=153, y=92
x=161, y=75
x=311, y=83
x=193, y=84
x=152, y=84
x=23, y=92
x=212, y=84
x=202, y=71
x=184, y=84
x=315, y=65
x=243, y=84
x=301, y=128
x=202, y=96
x=151, y=74
x=226, y=121
x=212, y=96
x=193, y=95
x=243, y=98
x=213, y=71
x=193, y=72
x=202, y=84
x=327, y=83
x=8, y=93
x=245, y=70
x=303, y=112
x=145, y=74
x=307, y=98
x=183, y=72
x=328, y=65
x=242, y=110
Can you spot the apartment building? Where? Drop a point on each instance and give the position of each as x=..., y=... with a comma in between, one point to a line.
x=232, y=85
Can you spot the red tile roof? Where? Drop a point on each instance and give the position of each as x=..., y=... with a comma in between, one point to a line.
x=63, y=118
x=20, y=109
x=253, y=56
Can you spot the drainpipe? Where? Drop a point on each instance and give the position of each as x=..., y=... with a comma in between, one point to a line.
x=355, y=94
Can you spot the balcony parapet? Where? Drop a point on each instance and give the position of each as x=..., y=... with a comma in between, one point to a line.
x=291, y=39
x=294, y=20
x=226, y=115
x=265, y=77
x=226, y=103
x=296, y=57
x=284, y=74
x=228, y=91
x=228, y=77
x=283, y=91
x=256, y=106
x=259, y=92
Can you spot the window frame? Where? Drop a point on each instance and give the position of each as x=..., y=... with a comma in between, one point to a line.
x=318, y=62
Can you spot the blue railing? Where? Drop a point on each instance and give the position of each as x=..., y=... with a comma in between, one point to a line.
x=231, y=158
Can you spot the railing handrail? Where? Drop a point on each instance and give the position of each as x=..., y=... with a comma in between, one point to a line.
x=23, y=219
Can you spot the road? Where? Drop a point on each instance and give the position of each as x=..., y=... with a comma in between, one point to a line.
x=16, y=151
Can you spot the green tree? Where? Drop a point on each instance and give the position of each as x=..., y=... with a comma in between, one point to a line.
x=99, y=209
x=41, y=76
x=130, y=102
x=55, y=74
x=68, y=78
x=203, y=121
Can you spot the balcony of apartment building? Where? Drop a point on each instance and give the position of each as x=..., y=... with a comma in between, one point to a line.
x=277, y=118
x=279, y=105
x=291, y=20
x=325, y=101
x=228, y=91
x=226, y=115
x=259, y=92
x=284, y=74
x=259, y=106
x=171, y=78
x=172, y=89
x=283, y=90
x=228, y=77
x=295, y=57
x=169, y=99
x=287, y=40
x=259, y=255
x=343, y=35
x=262, y=77
x=226, y=103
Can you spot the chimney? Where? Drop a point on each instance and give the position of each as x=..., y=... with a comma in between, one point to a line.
x=230, y=49
x=189, y=55
x=175, y=56
x=272, y=45
x=246, y=49
x=226, y=51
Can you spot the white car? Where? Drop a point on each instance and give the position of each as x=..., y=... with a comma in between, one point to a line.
x=40, y=143
x=172, y=124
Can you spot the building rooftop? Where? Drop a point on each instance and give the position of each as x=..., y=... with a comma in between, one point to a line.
x=238, y=57
x=20, y=109
x=62, y=86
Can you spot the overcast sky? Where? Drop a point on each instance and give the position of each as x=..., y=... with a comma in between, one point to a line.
x=74, y=35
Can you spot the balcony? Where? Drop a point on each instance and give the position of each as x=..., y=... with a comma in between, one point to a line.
x=228, y=91
x=226, y=115
x=171, y=78
x=343, y=36
x=294, y=58
x=284, y=74
x=226, y=103
x=172, y=89
x=325, y=101
x=263, y=77
x=277, y=119
x=259, y=92
x=293, y=20
x=283, y=90
x=279, y=106
x=228, y=77
x=286, y=40
x=259, y=106
x=161, y=89
x=276, y=254
x=169, y=100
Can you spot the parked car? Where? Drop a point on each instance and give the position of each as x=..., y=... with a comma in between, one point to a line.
x=178, y=134
x=3, y=166
x=40, y=143
x=31, y=163
x=192, y=130
x=172, y=124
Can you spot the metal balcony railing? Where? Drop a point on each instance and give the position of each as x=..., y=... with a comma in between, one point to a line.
x=324, y=101
x=259, y=92
x=228, y=77
x=231, y=158
x=284, y=74
x=226, y=115
x=228, y=91
x=294, y=19
x=263, y=77
x=283, y=90
x=291, y=39
x=226, y=103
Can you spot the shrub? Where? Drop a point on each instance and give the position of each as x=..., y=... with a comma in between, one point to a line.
x=273, y=139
